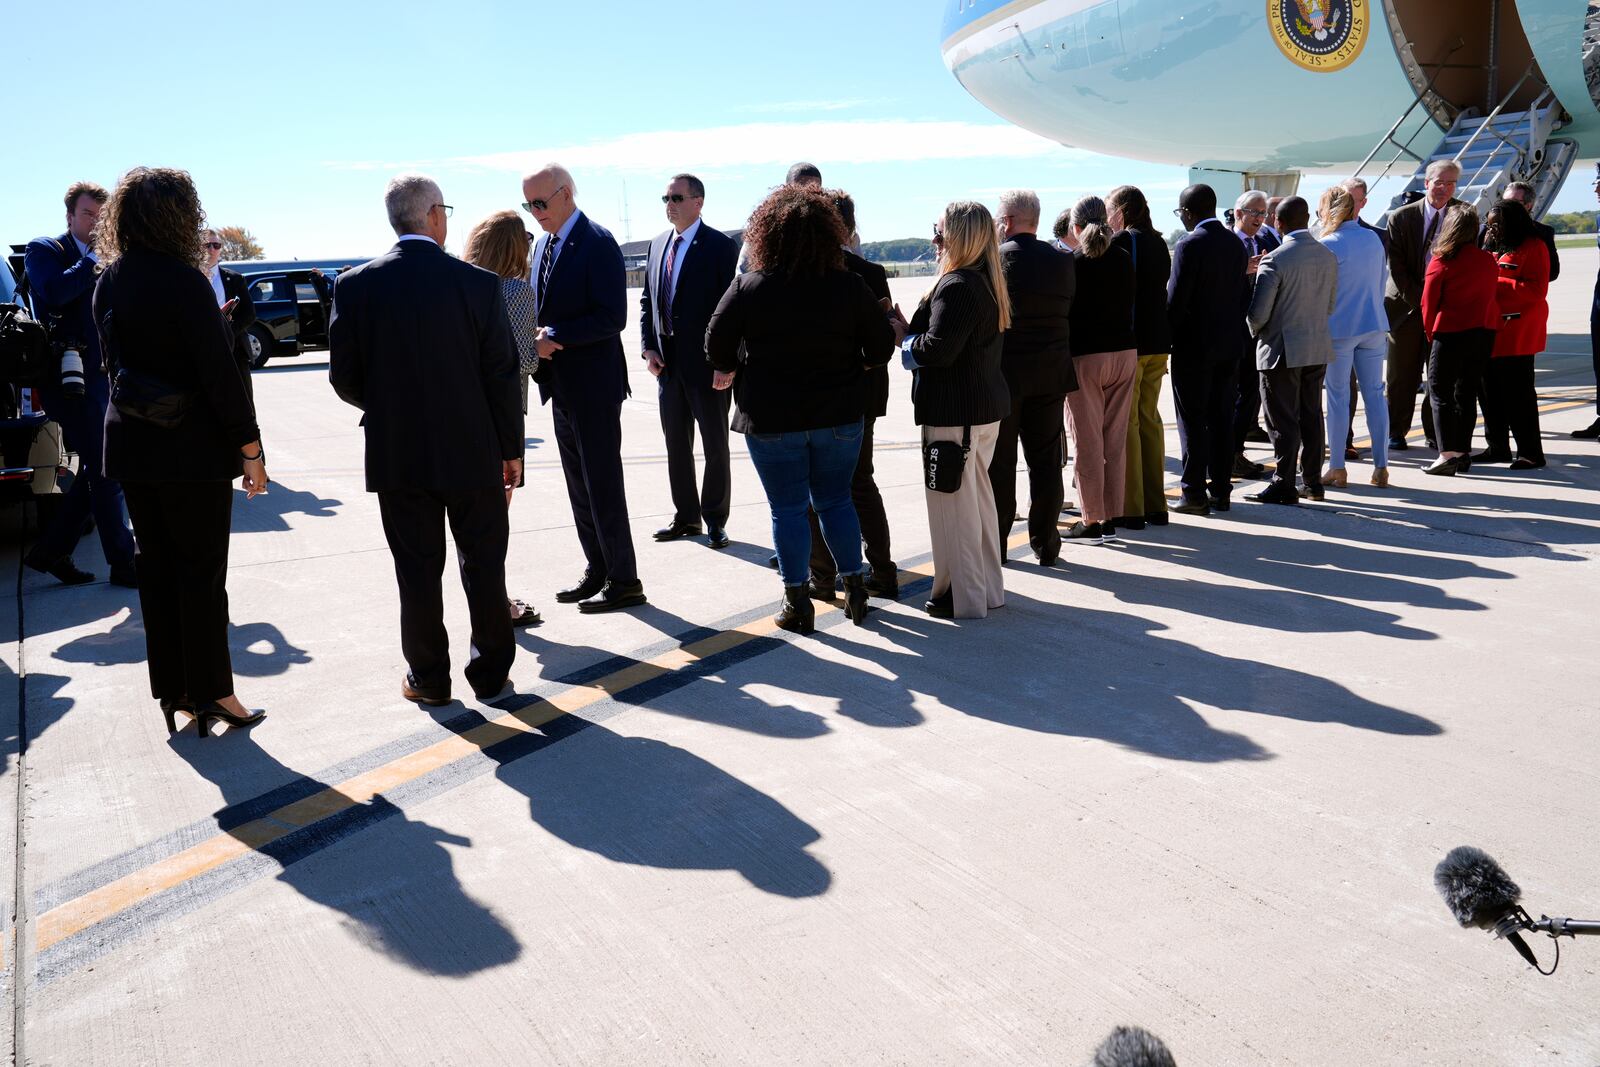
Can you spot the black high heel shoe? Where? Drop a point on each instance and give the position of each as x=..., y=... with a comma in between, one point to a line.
x=855, y=598
x=171, y=708
x=211, y=711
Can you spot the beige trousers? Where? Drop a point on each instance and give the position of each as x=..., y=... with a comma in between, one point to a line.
x=965, y=532
x=1100, y=430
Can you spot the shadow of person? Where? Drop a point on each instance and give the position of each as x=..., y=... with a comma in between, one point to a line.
x=1117, y=681
x=1506, y=525
x=125, y=643
x=395, y=885
x=584, y=665
x=1286, y=610
x=643, y=802
x=45, y=707
x=267, y=513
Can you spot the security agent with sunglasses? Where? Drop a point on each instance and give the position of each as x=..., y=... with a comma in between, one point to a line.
x=689, y=268
x=581, y=308
x=233, y=296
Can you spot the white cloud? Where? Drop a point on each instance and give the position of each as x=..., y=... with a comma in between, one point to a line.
x=764, y=144
x=800, y=106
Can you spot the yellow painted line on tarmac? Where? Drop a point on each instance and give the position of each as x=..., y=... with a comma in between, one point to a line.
x=75, y=916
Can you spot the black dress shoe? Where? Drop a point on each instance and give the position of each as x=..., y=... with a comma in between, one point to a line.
x=1398, y=444
x=1219, y=503
x=1352, y=453
x=63, y=570
x=614, y=597
x=124, y=575
x=495, y=692
x=1192, y=507
x=1588, y=433
x=717, y=537
x=884, y=586
x=1277, y=493
x=1446, y=468
x=1523, y=463
x=942, y=607
x=1490, y=455
x=417, y=695
x=587, y=586
x=1156, y=518
x=1256, y=435
x=676, y=530
x=1244, y=468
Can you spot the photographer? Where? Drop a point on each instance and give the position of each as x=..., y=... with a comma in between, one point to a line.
x=61, y=273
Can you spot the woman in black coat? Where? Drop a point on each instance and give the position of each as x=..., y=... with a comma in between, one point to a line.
x=180, y=428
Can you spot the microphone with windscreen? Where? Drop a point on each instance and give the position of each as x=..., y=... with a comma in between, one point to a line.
x=1132, y=1046
x=1479, y=893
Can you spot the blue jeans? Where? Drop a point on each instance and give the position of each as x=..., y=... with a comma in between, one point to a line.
x=1365, y=354
x=810, y=467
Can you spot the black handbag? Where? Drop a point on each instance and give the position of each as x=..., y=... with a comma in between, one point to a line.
x=140, y=396
x=942, y=462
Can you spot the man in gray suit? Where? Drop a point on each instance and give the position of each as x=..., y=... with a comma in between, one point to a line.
x=1288, y=317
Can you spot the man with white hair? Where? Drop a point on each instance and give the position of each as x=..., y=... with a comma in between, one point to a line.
x=580, y=301
x=421, y=343
x=1412, y=231
x=1249, y=225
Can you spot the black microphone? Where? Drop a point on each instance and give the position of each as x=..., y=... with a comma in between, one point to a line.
x=1479, y=893
x=1132, y=1046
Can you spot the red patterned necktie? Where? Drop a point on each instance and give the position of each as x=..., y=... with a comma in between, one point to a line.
x=666, y=286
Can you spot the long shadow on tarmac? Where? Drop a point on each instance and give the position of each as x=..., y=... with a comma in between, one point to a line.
x=266, y=514
x=397, y=889
x=124, y=643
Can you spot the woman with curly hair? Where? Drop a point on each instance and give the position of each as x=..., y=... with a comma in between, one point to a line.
x=1510, y=402
x=180, y=428
x=959, y=394
x=810, y=330
x=500, y=244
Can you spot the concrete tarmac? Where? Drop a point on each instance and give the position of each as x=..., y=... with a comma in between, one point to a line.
x=1197, y=782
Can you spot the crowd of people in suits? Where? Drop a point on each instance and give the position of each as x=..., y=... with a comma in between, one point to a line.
x=1019, y=343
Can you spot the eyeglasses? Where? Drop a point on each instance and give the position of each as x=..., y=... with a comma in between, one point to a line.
x=1252, y=214
x=530, y=206
x=448, y=210
x=677, y=198
x=215, y=246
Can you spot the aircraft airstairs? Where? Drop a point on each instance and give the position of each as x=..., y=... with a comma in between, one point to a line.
x=1494, y=150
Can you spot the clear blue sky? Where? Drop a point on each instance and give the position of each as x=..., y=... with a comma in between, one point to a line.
x=292, y=115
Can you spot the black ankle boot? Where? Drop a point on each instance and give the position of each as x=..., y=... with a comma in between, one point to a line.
x=797, y=615
x=855, y=598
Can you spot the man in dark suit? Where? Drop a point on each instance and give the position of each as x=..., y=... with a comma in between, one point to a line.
x=1523, y=194
x=61, y=276
x=1036, y=359
x=1205, y=304
x=883, y=578
x=581, y=306
x=229, y=285
x=421, y=344
x=1412, y=231
x=1293, y=298
x=1249, y=225
x=689, y=268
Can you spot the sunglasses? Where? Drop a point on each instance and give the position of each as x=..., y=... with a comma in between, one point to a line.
x=530, y=206
x=215, y=246
x=676, y=198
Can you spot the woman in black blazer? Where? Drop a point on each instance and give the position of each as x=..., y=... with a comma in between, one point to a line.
x=1144, y=499
x=164, y=337
x=810, y=331
x=959, y=392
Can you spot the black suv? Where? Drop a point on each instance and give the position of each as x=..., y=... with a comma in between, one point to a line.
x=290, y=319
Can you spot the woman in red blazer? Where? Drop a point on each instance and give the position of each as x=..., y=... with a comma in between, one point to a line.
x=1510, y=405
x=1459, y=315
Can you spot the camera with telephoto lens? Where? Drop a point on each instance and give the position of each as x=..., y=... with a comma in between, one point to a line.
x=71, y=370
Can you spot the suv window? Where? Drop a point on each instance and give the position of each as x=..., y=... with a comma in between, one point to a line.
x=264, y=289
x=305, y=291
